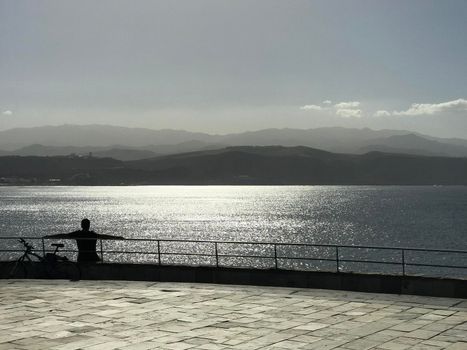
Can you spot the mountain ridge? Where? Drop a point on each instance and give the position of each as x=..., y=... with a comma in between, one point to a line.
x=252, y=165
x=97, y=138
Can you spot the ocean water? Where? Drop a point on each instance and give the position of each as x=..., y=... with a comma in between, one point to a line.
x=407, y=216
x=418, y=216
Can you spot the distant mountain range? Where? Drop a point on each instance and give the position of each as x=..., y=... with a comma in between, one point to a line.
x=240, y=165
x=137, y=143
x=93, y=136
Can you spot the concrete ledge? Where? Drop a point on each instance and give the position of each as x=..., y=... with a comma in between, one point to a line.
x=373, y=283
x=299, y=279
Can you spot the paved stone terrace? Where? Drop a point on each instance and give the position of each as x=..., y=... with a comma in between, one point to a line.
x=92, y=315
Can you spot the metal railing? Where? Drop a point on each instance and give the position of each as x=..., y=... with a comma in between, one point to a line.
x=401, y=261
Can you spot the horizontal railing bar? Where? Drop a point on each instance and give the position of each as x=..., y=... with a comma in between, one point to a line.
x=221, y=255
x=245, y=256
x=313, y=259
x=255, y=243
x=371, y=262
x=155, y=253
x=272, y=257
x=433, y=265
x=128, y=252
x=281, y=257
x=252, y=256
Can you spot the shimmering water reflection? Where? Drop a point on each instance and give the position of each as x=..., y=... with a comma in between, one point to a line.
x=432, y=217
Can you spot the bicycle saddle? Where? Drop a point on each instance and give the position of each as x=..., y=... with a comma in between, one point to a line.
x=58, y=245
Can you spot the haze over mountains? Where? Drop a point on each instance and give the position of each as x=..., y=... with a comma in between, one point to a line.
x=136, y=143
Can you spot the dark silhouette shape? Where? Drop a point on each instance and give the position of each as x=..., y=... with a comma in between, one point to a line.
x=55, y=266
x=86, y=241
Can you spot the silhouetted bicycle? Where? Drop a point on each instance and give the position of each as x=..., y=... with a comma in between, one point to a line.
x=52, y=265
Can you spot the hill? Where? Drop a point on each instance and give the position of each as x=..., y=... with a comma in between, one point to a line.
x=242, y=165
x=119, y=152
x=303, y=165
x=56, y=170
x=414, y=144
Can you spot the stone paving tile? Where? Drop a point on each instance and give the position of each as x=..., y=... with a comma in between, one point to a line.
x=94, y=315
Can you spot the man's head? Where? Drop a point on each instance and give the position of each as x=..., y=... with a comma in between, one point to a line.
x=85, y=223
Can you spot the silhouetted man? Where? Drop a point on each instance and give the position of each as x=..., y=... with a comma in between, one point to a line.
x=86, y=241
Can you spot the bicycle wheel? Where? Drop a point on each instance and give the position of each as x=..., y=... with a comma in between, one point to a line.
x=64, y=270
x=16, y=270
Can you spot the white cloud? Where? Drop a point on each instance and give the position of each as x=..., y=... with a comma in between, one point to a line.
x=351, y=109
x=311, y=107
x=349, y=113
x=348, y=109
x=382, y=113
x=342, y=109
x=434, y=108
x=347, y=105
x=8, y=112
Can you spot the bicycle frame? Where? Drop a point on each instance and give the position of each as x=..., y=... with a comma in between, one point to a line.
x=27, y=255
x=52, y=263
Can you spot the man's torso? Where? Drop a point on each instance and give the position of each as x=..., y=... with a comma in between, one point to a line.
x=86, y=241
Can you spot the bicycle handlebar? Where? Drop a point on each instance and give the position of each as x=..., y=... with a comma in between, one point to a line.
x=26, y=244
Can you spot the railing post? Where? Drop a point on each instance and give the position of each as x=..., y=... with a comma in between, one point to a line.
x=275, y=254
x=102, y=251
x=159, y=252
x=403, y=262
x=337, y=259
x=43, y=247
x=217, y=255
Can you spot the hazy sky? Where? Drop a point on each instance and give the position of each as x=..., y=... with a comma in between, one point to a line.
x=225, y=66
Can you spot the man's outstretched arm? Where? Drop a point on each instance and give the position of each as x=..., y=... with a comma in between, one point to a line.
x=71, y=235
x=109, y=237
x=58, y=235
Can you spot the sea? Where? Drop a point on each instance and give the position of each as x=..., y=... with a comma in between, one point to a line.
x=431, y=217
